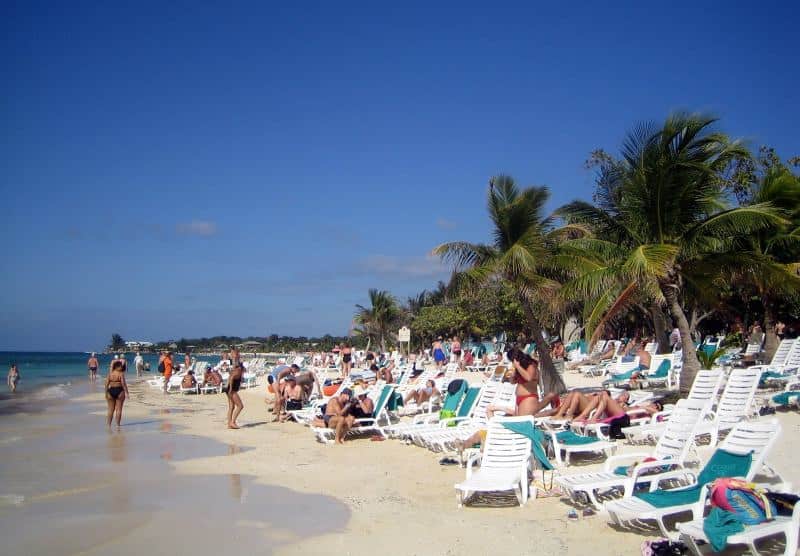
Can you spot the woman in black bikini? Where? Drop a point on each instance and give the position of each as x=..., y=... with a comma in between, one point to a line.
x=116, y=391
x=235, y=405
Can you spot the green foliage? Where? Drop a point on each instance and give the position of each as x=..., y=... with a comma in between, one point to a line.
x=117, y=343
x=707, y=360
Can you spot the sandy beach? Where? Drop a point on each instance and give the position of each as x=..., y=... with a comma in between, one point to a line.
x=176, y=479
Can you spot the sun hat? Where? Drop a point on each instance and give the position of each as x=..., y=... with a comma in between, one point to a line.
x=359, y=391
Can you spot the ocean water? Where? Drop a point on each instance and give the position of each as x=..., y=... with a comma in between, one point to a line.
x=60, y=374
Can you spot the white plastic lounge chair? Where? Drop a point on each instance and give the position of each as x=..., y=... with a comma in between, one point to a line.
x=366, y=424
x=571, y=443
x=447, y=437
x=735, y=404
x=729, y=459
x=692, y=531
x=671, y=450
x=504, y=463
x=704, y=388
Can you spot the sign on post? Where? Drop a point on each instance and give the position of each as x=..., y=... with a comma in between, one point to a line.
x=404, y=334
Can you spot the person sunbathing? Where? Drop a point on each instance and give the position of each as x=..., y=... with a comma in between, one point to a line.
x=422, y=394
x=608, y=353
x=573, y=403
x=607, y=408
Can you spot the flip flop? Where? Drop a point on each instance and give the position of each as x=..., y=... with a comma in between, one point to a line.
x=448, y=461
x=377, y=438
x=572, y=515
x=588, y=512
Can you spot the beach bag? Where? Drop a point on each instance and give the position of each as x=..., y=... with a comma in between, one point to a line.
x=545, y=488
x=784, y=502
x=448, y=414
x=663, y=547
x=616, y=425
x=748, y=503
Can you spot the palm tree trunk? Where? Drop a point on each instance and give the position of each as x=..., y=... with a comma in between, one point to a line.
x=770, y=337
x=548, y=375
x=660, y=328
x=691, y=365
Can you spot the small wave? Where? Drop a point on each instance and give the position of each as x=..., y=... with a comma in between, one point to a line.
x=55, y=392
x=11, y=499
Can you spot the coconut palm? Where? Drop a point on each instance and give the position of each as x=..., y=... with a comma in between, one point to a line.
x=663, y=206
x=775, y=251
x=522, y=244
x=380, y=319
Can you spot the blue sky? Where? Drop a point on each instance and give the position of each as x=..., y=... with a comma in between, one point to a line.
x=248, y=168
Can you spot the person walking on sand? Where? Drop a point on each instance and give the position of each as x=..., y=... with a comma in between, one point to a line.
x=167, y=362
x=236, y=357
x=13, y=377
x=92, y=365
x=438, y=352
x=235, y=405
x=116, y=392
x=138, y=362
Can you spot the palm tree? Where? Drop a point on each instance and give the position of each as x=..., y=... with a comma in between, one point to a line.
x=663, y=206
x=379, y=320
x=521, y=248
x=774, y=251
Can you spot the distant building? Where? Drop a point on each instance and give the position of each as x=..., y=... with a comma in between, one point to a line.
x=135, y=345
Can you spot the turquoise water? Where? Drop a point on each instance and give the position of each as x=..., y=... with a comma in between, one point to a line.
x=64, y=369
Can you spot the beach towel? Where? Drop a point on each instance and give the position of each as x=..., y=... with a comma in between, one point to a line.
x=785, y=397
x=662, y=371
x=718, y=525
x=571, y=439
x=537, y=442
x=721, y=464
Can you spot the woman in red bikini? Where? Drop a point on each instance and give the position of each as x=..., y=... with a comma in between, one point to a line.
x=526, y=377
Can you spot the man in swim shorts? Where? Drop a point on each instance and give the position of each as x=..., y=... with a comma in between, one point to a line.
x=92, y=365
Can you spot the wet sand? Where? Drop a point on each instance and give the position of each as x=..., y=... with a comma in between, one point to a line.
x=69, y=486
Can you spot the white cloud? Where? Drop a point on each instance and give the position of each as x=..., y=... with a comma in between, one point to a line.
x=204, y=228
x=403, y=266
x=445, y=224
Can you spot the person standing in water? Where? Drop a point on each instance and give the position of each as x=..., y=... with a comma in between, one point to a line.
x=116, y=391
x=138, y=362
x=13, y=377
x=92, y=365
x=235, y=405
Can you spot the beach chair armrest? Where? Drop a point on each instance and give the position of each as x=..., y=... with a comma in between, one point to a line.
x=472, y=461
x=612, y=462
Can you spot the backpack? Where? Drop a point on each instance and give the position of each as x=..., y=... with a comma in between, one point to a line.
x=744, y=500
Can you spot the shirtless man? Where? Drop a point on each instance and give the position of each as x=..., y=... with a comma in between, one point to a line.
x=236, y=357
x=294, y=395
x=307, y=381
x=92, y=365
x=337, y=415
